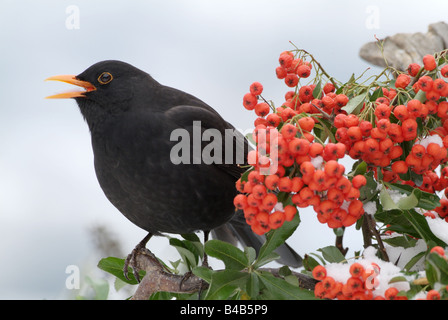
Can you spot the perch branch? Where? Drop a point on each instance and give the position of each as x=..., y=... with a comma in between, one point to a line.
x=158, y=279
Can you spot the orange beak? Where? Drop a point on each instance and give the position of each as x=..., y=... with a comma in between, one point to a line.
x=72, y=80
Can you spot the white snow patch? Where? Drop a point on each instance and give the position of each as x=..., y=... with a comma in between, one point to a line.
x=370, y=207
x=439, y=227
x=431, y=139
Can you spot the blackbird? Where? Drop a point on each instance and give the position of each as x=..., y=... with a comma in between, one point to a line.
x=153, y=147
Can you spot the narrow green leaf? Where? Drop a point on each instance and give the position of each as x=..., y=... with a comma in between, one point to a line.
x=223, y=284
x=203, y=273
x=427, y=201
x=332, y=254
x=232, y=257
x=421, y=226
x=317, y=92
x=251, y=255
x=280, y=289
x=114, y=266
x=354, y=104
x=253, y=285
x=386, y=200
x=414, y=260
x=410, y=201
x=275, y=238
x=378, y=93
x=436, y=269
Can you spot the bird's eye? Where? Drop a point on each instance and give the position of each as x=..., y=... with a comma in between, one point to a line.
x=105, y=78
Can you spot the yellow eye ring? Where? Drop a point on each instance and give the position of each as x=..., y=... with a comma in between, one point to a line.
x=105, y=78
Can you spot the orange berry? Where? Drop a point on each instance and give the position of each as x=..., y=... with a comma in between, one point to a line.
x=256, y=88
x=413, y=69
x=433, y=295
x=401, y=112
x=299, y=146
x=399, y=167
x=285, y=184
x=391, y=293
x=307, y=168
x=356, y=208
x=297, y=184
x=402, y=81
x=319, y=272
x=240, y=201
x=288, y=131
x=359, y=181
x=276, y=219
x=425, y=83
x=306, y=123
x=315, y=149
x=439, y=250
x=270, y=200
x=290, y=212
x=303, y=71
x=382, y=111
x=271, y=182
x=249, y=101
x=354, y=134
x=429, y=62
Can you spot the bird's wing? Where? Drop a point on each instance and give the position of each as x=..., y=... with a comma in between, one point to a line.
x=233, y=144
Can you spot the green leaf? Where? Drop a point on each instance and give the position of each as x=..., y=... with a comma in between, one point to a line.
x=436, y=269
x=410, y=201
x=203, y=273
x=187, y=251
x=232, y=257
x=253, y=285
x=317, y=92
x=421, y=96
x=386, y=200
x=332, y=254
x=251, y=255
x=378, y=93
x=427, y=201
x=100, y=286
x=420, y=224
x=223, y=284
x=310, y=263
x=280, y=289
x=354, y=104
x=275, y=238
x=369, y=191
x=114, y=266
x=402, y=241
x=414, y=260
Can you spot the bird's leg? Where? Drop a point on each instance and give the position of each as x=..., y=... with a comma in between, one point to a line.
x=130, y=260
x=205, y=258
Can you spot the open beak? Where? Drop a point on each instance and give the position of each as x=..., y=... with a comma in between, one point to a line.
x=72, y=80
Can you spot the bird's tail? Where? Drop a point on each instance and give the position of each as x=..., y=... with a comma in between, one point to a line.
x=237, y=230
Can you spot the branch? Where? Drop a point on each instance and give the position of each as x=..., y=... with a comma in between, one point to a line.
x=158, y=279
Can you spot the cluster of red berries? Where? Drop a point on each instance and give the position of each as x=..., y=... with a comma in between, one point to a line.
x=363, y=282
x=359, y=286
x=382, y=135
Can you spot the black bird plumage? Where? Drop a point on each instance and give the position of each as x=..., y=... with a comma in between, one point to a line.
x=131, y=118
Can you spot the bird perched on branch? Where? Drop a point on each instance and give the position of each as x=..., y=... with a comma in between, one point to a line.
x=155, y=160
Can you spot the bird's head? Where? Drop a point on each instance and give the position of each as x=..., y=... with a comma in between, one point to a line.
x=108, y=87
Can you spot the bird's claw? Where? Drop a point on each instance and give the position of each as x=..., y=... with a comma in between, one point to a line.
x=131, y=262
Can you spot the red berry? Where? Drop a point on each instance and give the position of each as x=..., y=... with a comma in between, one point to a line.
x=256, y=88
x=429, y=62
x=249, y=101
x=303, y=71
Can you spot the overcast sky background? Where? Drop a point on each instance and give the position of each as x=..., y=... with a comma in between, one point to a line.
x=49, y=195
